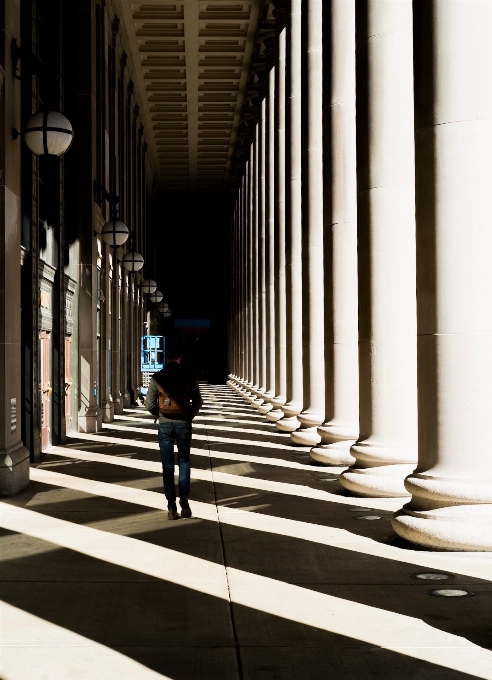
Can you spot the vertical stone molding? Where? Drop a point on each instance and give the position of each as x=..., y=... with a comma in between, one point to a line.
x=312, y=414
x=269, y=42
x=293, y=222
x=386, y=450
x=451, y=505
x=14, y=456
x=279, y=255
x=116, y=337
x=341, y=426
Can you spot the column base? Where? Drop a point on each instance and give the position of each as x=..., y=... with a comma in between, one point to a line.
x=334, y=448
x=91, y=420
x=383, y=481
x=118, y=405
x=458, y=528
x=447, y=513
x=14, y=470
x=126, y=399
x=305, y=436
x=287, y=424
x=108, y=411
x=274, y=415
x=259, y=399
x=333, y=454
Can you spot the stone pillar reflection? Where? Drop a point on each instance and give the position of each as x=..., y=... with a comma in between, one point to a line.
x=451, y=506
x=313, y=410
x=293, y=222
x=386, y=450
x=269, y=42
x=341, y=426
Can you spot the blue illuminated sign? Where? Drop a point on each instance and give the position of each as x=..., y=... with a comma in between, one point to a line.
x=153, y=349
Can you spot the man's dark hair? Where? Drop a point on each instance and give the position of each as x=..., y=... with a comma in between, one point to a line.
x=174, y=352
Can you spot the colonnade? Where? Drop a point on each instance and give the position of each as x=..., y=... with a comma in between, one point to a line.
x=361, y=297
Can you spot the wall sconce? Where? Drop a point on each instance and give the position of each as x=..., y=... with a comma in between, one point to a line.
x=114, y=232
x=156, y=296
x=47, y=133
x=148, y=286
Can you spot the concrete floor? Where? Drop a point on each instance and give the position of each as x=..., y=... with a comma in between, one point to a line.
x=278, y=575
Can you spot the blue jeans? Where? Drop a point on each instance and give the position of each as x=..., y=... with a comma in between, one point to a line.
x=181, y=432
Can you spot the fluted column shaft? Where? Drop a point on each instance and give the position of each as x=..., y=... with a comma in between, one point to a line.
x=251, y=255
x=313, y=411
x=270, y=226
x=256, y=260
x=247, y=247
x=341, y=426
x=262, y=260
x=451, y=506
x=386, y=450
x=241, y=277
x=279, y=208
x=293, y=222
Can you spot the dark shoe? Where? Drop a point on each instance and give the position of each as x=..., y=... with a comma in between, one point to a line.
x=185, y=508
x=172, y=514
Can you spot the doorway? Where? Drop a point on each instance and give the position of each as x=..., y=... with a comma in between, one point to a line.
x=45, y=387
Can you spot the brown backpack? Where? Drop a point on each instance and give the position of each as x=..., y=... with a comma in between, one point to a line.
x=169, y=405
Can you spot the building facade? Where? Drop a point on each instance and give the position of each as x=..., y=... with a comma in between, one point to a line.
x=72, y=312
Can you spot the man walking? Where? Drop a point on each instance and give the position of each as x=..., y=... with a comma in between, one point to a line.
x=174, y=395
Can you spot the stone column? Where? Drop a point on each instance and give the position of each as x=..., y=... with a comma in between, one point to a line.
x=256, y=254
x=279, y=255
x=293, y=222
x=242, y=229
x=250, y=395
x=312, y=414
x=341, y=426
x=386, y=450
x=247, y=274
x=14, y=456
x=90, y=413
x=261, y=249
x=232, y=306
x=268, y=39
x=451, y=506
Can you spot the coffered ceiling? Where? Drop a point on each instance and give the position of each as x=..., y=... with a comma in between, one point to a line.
x=191, y=61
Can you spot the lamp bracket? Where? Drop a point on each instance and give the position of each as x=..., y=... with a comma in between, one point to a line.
x=15, y=53
x=35, y=67
x=102, y=194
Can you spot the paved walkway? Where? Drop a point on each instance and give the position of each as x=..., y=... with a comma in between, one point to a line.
x=278, y=576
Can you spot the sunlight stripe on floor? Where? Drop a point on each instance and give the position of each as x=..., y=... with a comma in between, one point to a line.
x=214, y=438
x=235, y=457
x=467, y=564
x=32, y=648
x=219, y=417
x=225, y=455
x=406, y=635
x=244, y=482
x=205, y=426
